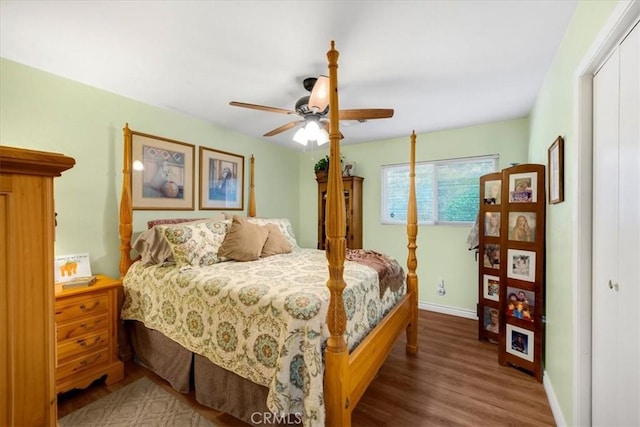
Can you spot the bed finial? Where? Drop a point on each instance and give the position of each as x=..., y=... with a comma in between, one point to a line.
x=126, y=210
x=252, y=189
x=412, y=260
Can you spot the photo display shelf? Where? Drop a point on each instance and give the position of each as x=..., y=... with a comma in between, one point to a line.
x=521, y=277
x=489, y=226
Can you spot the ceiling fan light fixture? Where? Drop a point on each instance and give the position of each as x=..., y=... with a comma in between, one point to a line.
x=323, y=137
x=301, y=136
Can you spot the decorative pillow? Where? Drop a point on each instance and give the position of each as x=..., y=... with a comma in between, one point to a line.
x=153, y=248
x=195, y=244
x=276, y=242
x=244, y=241
x=283, y=223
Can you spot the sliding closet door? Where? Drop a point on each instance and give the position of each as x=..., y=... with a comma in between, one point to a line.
x=616, y=238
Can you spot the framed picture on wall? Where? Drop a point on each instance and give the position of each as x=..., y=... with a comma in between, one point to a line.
x=221, y=180
x=162, y=173
x=556, y=171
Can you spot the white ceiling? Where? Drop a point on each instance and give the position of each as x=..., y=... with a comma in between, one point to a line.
x=439, y=64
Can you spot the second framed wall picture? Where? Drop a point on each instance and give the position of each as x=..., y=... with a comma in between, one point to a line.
x=556, y=171
x=221, y=180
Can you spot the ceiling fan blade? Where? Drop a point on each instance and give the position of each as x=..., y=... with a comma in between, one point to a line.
x=366, y=114
x=261, y=107
x=319, y=98
x=283, y=128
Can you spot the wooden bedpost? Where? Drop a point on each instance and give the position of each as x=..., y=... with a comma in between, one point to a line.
x=412, y=261
x=126, y=212
x=336, y=379
x=252, y=189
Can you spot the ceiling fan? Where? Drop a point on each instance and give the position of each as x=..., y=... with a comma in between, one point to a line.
x=313, y=111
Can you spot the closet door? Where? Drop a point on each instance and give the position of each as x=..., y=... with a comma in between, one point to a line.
x=616, y=236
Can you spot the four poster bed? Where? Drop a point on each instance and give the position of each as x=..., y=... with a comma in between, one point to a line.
x=282, y=334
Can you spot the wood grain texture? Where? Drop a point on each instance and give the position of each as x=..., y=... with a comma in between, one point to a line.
x=27, y=335
x=455, y=380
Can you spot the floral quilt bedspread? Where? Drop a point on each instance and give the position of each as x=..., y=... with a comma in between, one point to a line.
x=263, y=320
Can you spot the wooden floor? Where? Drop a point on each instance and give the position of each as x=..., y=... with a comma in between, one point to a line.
x=455, y=380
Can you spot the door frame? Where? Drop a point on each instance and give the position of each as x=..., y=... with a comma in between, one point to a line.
x=619, y=23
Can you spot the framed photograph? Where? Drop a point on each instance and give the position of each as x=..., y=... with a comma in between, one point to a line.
x=520, y=303
x=491, y=319
x=70, y=267
x=556, y=171
x=162, y=173
x=492, y=190
x=491, y=256
x=492, y=224
x=522, y=226
x=519, y=342
x=491, y=287
x=521, y=265
x=221, y=180
x=523, y=187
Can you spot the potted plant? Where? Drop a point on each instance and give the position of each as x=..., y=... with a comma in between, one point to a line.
x=321, y=167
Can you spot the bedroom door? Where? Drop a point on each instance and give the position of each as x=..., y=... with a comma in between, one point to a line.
x=616, y=238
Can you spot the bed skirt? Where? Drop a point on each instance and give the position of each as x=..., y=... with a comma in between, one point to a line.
x=214, y=387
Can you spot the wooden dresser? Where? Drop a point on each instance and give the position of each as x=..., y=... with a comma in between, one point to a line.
x=353, y=206
x=86, y=332
x=27, y=335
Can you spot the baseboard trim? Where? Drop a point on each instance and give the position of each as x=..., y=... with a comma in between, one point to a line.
x=553, y=401
x=453, y=311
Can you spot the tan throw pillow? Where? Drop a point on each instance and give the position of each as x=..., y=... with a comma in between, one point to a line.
x=244, y=241
x=276, y=242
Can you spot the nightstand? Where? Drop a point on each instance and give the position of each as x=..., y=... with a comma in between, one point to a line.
x=87, y=334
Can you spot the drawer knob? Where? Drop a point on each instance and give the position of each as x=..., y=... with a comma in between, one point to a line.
x=93, y=307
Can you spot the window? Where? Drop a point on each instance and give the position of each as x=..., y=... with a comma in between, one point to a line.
x=447, y=191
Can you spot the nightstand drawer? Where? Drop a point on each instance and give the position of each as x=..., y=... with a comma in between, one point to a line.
x=83, y=363
x=81, y=327
x=87, y=343
x=72, y=308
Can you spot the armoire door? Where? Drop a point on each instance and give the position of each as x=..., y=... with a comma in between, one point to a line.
x=616, y=238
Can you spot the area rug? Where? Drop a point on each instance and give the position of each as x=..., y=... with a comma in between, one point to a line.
x=141, y=403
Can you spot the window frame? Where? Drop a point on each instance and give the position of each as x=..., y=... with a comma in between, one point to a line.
x=434, y=186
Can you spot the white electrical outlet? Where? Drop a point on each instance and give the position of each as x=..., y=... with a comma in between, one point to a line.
x=441, y=291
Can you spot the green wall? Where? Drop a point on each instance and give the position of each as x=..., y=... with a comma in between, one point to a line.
x=442, y=250
x=44, y=112
x=552, y=116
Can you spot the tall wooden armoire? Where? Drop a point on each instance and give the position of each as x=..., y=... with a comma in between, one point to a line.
x=27, y=333
x=353, y=205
